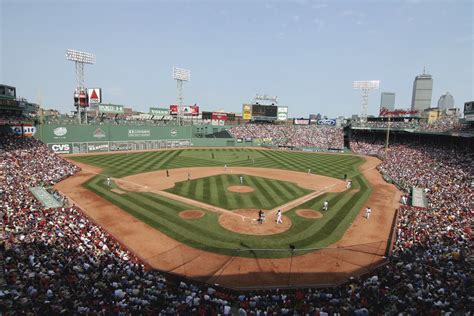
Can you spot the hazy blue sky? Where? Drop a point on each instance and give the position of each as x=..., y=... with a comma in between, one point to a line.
x=305, y=52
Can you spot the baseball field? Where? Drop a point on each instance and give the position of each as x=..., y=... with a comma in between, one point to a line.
x=206, y=202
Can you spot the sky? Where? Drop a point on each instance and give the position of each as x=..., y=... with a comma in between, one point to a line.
x=307, y=53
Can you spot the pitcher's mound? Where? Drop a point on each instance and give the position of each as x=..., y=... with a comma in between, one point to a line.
x=244, y=221
x=240, y=189
x=309, y=213
x=191, y=214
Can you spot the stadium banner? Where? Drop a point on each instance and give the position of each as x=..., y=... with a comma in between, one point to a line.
x=60, y=148
x=174, y=109
x=95, y=95
x=301, y=121
x=159, y=111
x=330, y=122
x=24, y=130
x=97, y=147
x=219, y=116
x=111, y=108
x=192, y=110
x=247, y=112
x=282, y=114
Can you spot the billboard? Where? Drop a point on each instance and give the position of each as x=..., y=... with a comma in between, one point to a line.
x=301, y=121
x=247, y=112
x=264, y=110
x=159, y=111
x=192, y=110
x=95, y=95
x=111, y=108
x=60, y=148
x=282, y=113
x=469, y=111
x=330, y=122
x=24, y=130
x=80, y=98
x=220, y=116
x=174, y=109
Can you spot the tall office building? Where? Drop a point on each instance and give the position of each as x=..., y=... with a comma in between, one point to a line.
x=387, y=100
x=422, y=91
x=446, y=101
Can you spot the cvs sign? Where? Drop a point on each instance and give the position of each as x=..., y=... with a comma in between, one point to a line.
x=60, y=148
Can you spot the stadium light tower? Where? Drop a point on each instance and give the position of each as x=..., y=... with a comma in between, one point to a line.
x=80, y=59
x=366, y=87
x=180, y=75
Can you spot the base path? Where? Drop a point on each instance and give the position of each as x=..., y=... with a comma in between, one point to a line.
x=361, y=248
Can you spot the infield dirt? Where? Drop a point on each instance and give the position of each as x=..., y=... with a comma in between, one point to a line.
x=361, y=248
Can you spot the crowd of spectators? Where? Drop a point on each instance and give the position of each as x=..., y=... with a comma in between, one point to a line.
x=292, y=135
x=445, y=123
x=57, y=261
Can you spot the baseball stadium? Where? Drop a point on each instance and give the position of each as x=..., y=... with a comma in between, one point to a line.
x=197, y=210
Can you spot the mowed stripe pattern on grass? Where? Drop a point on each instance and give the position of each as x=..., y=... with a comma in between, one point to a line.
x=213, y=190
x=121, y=165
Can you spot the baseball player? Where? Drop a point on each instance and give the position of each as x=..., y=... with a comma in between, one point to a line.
x=109, y=182
x=241, y=180
x=279, y=221
x=309, y=171
x=367, y=212
x=260, y=217
x=225, y=167
x=167, y=173
x=348, y=184
x=325, y=205
x=189, y=176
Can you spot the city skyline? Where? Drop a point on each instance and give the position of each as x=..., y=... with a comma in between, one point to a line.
x=305, y=52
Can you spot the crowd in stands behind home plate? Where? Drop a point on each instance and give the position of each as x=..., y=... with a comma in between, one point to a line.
x=292, y=135
x=57, y=261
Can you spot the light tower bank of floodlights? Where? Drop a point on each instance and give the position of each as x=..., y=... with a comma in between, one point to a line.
x=80, y=94
x=365, y=86
x=180, y=75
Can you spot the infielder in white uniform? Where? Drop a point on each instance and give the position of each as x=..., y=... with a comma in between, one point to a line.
x=367, y=212
x=241, y=180
x=325, y=205
x=109, y=182
x=279, y=221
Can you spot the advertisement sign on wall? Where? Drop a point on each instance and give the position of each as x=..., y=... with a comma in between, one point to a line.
x=111, y=108
x=330, y=122
x=24, y=130
x=159, y=111
x=60, y=148
x=301, y=122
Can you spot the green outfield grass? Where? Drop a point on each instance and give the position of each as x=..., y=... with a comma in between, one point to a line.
x=205, y=232
x=213, y=190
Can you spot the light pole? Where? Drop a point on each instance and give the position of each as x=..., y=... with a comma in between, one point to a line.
x=180, y=75
x=80, y=59
x=366, y=87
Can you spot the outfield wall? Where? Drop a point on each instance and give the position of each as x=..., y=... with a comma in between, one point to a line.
x=71, y=139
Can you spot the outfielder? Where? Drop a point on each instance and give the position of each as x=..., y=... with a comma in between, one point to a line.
x=109, y=182
x=325, y=205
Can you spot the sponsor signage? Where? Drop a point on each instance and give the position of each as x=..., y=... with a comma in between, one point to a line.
x=301, y=121
x=247, y=112
x=24, y=130
x=60, y=131
x=174, y=132
x=99, y=133
x=282, y=114
x=91, y=147
x=139, y=133
x=219, y=116
x=95, y=95
x=174, y=109
x=331, y=122
x=60, y=148
x=239, y=140
x=159, y=111
x=111, y=108
x=192, y=110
